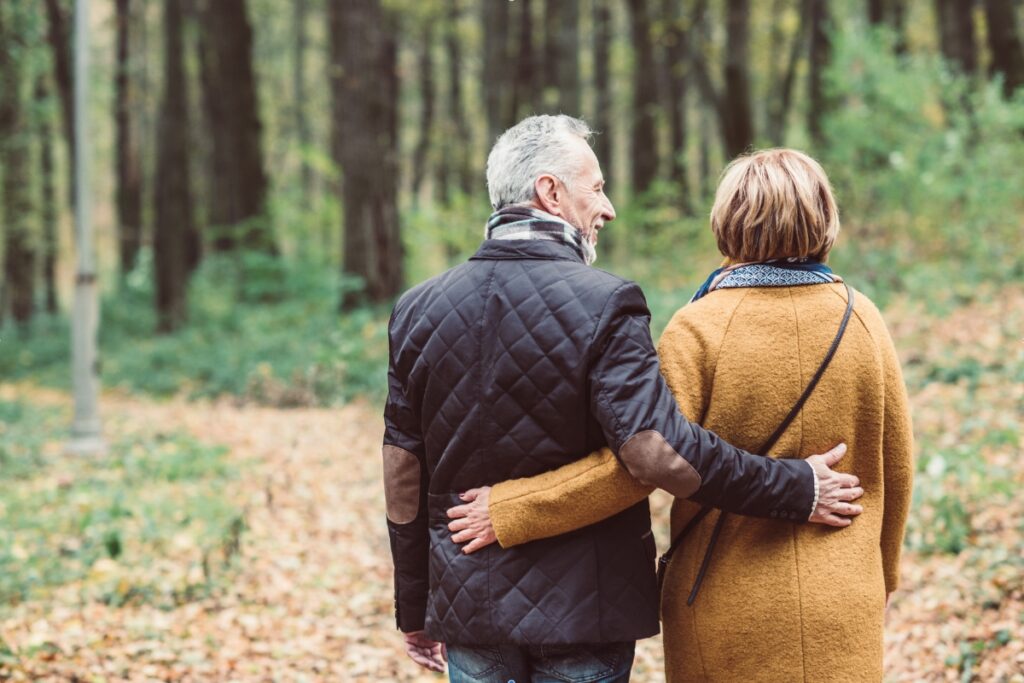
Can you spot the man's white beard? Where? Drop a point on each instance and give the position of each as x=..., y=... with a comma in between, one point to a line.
x=589, y=250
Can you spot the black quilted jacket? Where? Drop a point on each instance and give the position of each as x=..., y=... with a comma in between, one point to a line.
x=517, y=362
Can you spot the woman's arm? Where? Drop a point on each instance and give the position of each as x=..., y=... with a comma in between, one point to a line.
x=898, y=462
x=594, y=488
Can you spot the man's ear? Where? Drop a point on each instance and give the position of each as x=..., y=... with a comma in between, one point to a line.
x=549, y=194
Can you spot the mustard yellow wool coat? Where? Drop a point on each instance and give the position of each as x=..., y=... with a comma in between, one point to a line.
x=782, y=601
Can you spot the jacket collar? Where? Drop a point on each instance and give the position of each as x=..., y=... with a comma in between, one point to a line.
x=508, y=250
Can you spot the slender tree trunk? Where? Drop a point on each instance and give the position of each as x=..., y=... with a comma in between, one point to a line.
x=781, y=104
x=644, y=150
x=48, y=191
x=820, y=54
x=455, y=162
x=173, y=198
x=15, y=157
x=876, y=12
x=739, y=113
x=129, y=160
x=239, y=195
x=955, y=21
x=58, y=35
x=1005, y=43
x=496, y=90
x=891, y=13
x=602, y=86
x=365, y=146
x=427, y=97
x=563, y=48
x=676, y=71
x=527, y=89
x=299, y=86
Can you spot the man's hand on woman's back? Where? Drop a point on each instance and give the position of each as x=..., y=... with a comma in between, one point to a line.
x=836, y=490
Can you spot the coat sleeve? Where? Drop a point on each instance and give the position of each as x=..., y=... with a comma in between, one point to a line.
x=634, y=404
x=547, y=504
x=897, y=463
x=657, y=444
x=405, y=492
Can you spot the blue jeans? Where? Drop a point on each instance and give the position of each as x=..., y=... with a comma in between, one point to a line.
x=604, y=663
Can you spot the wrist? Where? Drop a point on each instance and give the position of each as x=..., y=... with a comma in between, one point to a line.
x=817, y=490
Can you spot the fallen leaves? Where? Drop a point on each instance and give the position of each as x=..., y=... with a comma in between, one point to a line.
x=310, y=599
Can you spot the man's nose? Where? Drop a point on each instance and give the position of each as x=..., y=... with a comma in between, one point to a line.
x=609, y=212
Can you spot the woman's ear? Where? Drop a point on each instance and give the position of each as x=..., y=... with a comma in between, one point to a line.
x=549, y=194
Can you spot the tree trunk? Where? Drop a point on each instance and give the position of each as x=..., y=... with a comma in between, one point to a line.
x=173, y=198
x=782, y=103
x=1005, y=43
x=738, y=112
x=644, y=150
x=238, y=197
x=455, y=154
x=818, y=104
x=602, y=88
x=364, y=144
x=15, y=157
x=48, y=191
x=527, y=88
x=129, y=160
x=892, y=13
x=58, y=35
x=955, y=21
x=676, y=67
x=563, y=54
x=302, y=130
x=496, y=90
x=422, y=153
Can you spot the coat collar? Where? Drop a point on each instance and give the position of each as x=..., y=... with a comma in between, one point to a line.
x=508, y=250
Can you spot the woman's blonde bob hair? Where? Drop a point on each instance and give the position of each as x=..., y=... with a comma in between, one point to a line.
x=772, y=204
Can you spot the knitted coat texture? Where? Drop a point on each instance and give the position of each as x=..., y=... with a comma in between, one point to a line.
x=782, y=601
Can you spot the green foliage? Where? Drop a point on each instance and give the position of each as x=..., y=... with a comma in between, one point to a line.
x=296, y=351
x=926, y=167
x=143, y=523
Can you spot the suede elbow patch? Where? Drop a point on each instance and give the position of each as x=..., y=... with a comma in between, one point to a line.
x=401, y=484
x=653, y=461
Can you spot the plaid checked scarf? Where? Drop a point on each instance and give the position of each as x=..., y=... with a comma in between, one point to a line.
x=773, y=273
x=528, y=223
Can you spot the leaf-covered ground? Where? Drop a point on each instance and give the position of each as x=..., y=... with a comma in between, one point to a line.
x=306, y=594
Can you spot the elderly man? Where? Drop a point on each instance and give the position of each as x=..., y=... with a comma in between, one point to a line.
x=519, y=361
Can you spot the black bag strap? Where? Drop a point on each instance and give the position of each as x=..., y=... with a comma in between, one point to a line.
x=763, y=450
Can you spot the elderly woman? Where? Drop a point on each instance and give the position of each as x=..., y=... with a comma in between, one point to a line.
x=760, y=599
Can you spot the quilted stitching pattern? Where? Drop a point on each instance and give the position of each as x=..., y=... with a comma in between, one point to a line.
x=493, y=356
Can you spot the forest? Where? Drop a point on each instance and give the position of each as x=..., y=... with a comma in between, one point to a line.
x=267, y=176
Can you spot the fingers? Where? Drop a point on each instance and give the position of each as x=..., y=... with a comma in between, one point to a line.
x=836, y=520
x=476, y=544
x=458, y=511
x=444, y=653
x=463, y=523
x=463, y=536
x=835, y=455
x=846, y=480
x=849, y=494
x=470, y=495
x=424, y=657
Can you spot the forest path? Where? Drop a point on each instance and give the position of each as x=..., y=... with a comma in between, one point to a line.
x=311, y=598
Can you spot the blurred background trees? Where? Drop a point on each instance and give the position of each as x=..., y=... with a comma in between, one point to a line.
x=258, y=153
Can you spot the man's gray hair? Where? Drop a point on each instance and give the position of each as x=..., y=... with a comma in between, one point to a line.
x=534, y=146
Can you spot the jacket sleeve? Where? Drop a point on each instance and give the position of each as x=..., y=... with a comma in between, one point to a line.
x=548, y=504
x=405, y=492
x=660, y=447
x=897, y=464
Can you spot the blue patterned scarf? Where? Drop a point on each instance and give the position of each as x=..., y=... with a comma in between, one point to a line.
x=528, y=223
x=773, y=273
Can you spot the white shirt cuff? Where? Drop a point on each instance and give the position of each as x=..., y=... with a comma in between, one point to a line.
x=817, y=490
